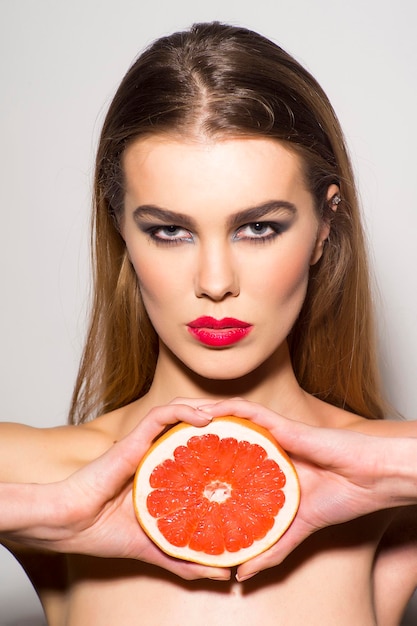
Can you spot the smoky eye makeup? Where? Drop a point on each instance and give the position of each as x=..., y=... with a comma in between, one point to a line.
x=163, y=226
x=168, y=234
x=164, y=234
x=254, y=232
x=263, y=223
x=260, y=231
x=259, y=224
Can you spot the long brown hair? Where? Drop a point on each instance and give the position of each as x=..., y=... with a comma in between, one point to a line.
x=220, y=80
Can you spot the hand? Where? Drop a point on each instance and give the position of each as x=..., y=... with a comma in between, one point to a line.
x=343, y=475
x=91, y=512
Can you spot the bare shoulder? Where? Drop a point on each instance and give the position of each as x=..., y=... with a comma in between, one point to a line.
x=329, y=416
x=386, y=427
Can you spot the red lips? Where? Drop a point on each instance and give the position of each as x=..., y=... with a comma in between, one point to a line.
x=219, y=333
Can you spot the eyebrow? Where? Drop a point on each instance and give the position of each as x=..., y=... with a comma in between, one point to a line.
x=251, y=214
x=255, y=213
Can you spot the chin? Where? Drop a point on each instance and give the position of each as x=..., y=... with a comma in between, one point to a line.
x=223, y=365
x=224, y=371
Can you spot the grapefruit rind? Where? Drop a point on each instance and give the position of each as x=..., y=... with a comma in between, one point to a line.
x=223, y=427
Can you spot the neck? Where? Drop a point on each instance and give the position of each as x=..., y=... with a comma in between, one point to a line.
x=272, y=384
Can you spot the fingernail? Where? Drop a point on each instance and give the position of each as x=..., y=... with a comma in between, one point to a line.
x=204, y=414
x=204, y=407
x=241, y=579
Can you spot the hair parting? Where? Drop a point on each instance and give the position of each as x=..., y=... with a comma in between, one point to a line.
x=220, y=81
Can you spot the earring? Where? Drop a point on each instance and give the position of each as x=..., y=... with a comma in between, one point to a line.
x=335, y=200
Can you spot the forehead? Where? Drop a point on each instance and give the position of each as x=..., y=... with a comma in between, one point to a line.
x=231, y=173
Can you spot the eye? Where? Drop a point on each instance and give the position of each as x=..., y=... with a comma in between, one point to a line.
x=258, y=231
x=170, y=234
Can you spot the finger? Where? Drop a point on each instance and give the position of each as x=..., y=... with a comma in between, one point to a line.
x=194, y=571
x=256, y=413
x=160, y=417
x=294, y=436
x=275, y=555
x=193, y=402
x=179, y=567
x=245, y=409
x=119, y=463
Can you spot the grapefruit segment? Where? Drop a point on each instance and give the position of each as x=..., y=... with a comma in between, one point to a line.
x=217, y=495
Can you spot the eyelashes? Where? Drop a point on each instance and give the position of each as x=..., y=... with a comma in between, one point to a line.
x=168, y=235
x=258, y=232
x=253, y=232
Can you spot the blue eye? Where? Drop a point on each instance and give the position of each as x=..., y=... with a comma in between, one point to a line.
x=169, y=234
x=258, y=231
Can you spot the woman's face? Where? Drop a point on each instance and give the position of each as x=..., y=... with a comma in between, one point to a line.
x=221, y=235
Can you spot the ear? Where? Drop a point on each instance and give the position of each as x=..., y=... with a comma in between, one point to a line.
x=333, y=199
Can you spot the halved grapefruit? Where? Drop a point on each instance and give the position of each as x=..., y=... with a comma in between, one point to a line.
x=217, y=495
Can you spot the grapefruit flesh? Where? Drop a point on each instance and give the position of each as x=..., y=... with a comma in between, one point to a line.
x=217, y=495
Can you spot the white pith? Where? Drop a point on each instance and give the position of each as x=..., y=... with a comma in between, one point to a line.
x=223, y=427
x=217, y=491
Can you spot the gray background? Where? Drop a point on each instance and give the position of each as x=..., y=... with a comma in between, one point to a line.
x=60, y=63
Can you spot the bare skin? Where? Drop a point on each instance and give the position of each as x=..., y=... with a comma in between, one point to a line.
x=341, y=557
x=202, y=222
x=90, y=512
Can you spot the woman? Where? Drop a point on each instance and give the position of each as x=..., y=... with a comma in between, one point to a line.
x=229, y=261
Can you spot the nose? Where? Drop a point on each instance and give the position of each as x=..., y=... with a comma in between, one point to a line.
x=216, y=275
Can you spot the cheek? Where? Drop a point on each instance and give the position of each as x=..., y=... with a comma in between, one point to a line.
x=160, y=283
x=146, y=273
x=285, y=277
